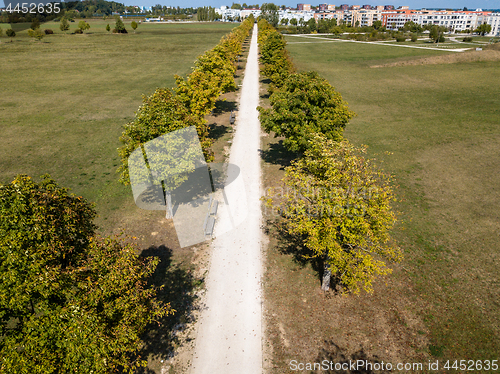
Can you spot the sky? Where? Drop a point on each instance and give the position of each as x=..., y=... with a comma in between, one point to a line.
x=413, y=4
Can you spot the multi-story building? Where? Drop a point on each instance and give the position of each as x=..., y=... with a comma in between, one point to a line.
x=246, y=12
x=453, y=20
x=338, y=15
x=323, y=7
x=306, y=7
x=391, y=18
x=494, y=20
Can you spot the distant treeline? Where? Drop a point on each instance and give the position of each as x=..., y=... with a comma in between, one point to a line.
x=102, y=8
x=207, y=14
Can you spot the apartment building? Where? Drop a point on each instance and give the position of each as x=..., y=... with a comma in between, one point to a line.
x=453, y=20
x=391, y=18
x=305, y=7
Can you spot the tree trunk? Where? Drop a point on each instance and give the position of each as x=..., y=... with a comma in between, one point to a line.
x=169, y=213
x=327, y=274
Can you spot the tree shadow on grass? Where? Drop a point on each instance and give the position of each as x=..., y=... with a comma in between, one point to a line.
x=293, y=244
x=277, y=154
x=178, y=286
x=340, y=360
x=224, y=106
x=216, y=131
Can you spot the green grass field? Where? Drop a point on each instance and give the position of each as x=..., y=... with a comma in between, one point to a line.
x=436, y=129
x=65, y=100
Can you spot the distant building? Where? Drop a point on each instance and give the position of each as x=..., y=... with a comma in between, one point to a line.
x=322, y=7
x=366, y=6
x=388, y=7
x=305, y=7
x=344, y=7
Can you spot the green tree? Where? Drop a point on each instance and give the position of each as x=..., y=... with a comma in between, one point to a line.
x=483, y=29
x=64, y=24
x=269, y=12
x=82, y=25
x=70, y=301
x=134, y=25
x=312, y=25
x=412, y=27
x=35, y=24
x=108, y=28
x=10, y=33
x=119, y=27
x=436, y=33
x=293, y=22
x=160, y=113
x=304, y=105
x=1, y=31
x=338, y=207
x=235, y=6
x=377, y=25
x=37, y=34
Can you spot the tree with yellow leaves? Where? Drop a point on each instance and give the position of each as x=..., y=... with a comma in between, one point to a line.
x=338, y=204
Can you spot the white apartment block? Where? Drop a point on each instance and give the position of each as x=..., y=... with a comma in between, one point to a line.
x=392, y=19
x=453, y=20
x=494, y=20
x=289, y=14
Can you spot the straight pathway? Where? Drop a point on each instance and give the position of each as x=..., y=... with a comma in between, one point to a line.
x=329, y=40
x=229, y=338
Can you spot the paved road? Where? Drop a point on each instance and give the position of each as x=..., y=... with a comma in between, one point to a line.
x=229, y=338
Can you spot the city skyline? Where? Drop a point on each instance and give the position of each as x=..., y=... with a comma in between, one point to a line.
x=444, y=4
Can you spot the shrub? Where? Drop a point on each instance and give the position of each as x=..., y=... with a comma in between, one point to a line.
x=64, y=25
x=82, y=25
x=78, y=31
x=48, y=32
x=108, y=28
x=10, y=33
x=400, y=38
x=467, y=39
x=414, y=38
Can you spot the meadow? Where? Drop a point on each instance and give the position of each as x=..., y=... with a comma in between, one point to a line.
x=65, y=100
x=434, y=127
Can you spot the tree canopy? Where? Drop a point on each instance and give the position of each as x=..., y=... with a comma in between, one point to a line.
x=269, y=12
x=70, y=301
x=306, y=104
x=338, y=205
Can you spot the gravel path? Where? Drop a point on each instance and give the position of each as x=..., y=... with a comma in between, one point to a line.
x=229, y=338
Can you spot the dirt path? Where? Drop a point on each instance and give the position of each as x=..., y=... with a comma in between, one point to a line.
x=229, y=338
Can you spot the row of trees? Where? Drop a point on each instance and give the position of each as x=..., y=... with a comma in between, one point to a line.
x=187, y=104
x=70, y=299
x=207, y=14
x=336, y=204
